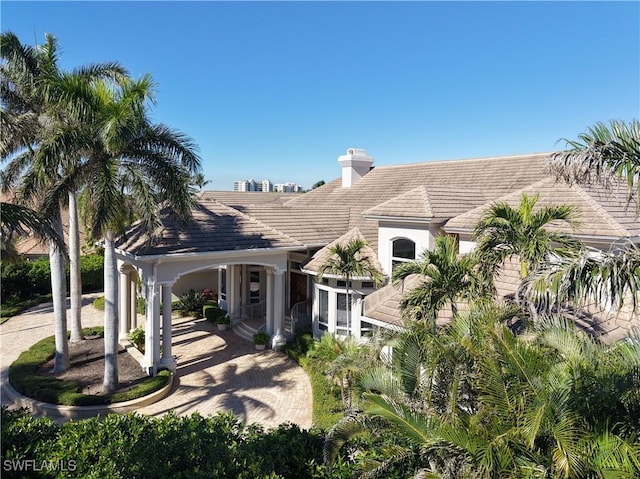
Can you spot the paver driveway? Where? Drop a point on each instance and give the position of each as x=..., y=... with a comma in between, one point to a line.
x=217, y=370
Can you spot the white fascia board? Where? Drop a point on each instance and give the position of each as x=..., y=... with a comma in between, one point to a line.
x=402, y=219
x=168, y=257
x=382, y=324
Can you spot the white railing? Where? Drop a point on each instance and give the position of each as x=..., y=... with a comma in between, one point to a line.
x=249, y=311
x=300, y=315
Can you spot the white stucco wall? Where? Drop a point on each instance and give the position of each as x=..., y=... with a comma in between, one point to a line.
x=422, y=235
x=198, y=281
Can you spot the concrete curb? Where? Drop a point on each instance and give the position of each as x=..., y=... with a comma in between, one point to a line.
x=84, y=412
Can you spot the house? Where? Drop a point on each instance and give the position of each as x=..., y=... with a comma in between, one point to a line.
x=261, y=251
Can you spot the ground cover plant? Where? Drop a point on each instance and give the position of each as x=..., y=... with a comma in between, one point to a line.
x=29, y=376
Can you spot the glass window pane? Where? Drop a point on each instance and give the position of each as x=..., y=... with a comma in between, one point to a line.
x=404, y=248
x=323, y=302
x=342, y=310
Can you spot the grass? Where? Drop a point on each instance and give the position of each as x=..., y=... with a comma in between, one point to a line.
x=24, y=377
x=13, y=308
x=327, y=404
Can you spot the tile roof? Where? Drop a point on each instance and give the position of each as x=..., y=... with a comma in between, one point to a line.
x=214, y=227
x=428, y=203
x=316, y=262
x=596, y=215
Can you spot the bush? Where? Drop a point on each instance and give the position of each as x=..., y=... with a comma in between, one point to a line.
x=191, y=303
x=26, y=279
x=98, y=303
x=215, y=314
x=92, y=272
x=137, y=337
x=261, y=337
x=171, y=446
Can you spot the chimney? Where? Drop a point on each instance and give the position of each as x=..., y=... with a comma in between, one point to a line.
x=355, y=164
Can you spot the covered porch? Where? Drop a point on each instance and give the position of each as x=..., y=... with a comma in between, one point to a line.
x=252, y=286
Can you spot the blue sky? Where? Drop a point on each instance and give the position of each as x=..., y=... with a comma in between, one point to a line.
x=279, y=89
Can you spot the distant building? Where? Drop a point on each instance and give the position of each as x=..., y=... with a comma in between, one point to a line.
x=246, y=185
x=265, y=186
x=287, y=187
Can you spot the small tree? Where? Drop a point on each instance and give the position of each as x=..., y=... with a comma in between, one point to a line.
x=348, y=261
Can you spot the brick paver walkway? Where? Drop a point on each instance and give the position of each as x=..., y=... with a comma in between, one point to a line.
x=217, y=370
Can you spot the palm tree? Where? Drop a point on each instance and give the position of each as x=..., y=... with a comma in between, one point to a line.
x=602, y=152
x=41, y=106
x=131, y=165
x=474, y=400
x=504, y=231
x=448, y=278
x=348, y=261
x=199, y=180
x=613, y=277
x=20, y=220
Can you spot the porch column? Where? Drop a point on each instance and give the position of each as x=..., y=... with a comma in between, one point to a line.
x=270, y=301
x=356, y=315
x=278, y=309
x=233, y=289
x=167, y=360
x=124, y=304
x=133, y=299
x=152, y=330
x=244, y=284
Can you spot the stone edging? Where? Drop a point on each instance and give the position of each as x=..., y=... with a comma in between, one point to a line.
x=83, y=412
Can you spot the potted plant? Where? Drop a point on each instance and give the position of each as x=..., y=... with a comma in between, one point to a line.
x=261, y=339
x=223, y=322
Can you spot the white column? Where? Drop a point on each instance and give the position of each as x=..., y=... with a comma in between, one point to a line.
x=152, y=330
x=278, y=309
x=233, y=293
x=167, y=360
x=356, y=315
x=133, y=299
x=123, y=303
x=270, y=302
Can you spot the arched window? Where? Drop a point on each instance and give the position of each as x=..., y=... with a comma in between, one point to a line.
x=403, y=250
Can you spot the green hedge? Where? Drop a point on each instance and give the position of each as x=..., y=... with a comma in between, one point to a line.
x=25, y=279
x=171, y=447
x=24, y=377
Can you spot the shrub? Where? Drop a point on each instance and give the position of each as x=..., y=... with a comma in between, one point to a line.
x=92, y=272
x=215, y=314
x=98, y=303
x=261, y=337
x=191, y=303
x=137, y=337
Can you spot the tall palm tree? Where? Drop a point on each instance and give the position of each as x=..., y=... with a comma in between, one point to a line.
x=448, y=277
x=474, y=400
x=504, y=231
x=348, y=261
x=600, y=154
x=131, y=164
x=199, y=180
x=41, y=106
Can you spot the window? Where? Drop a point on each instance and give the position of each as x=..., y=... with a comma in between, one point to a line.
x=254, y=287
x=323, y=309
x=403, y=250
x=341, y=318
x=223, y=284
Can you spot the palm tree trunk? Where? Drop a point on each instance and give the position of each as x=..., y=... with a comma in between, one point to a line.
x=75, y=285
x=59, y=294
x=110, y=381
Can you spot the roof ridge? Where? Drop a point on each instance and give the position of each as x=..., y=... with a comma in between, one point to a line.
x=603, y=212
x=467, y=160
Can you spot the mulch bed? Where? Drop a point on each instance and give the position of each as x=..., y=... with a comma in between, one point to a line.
x=86, y=365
